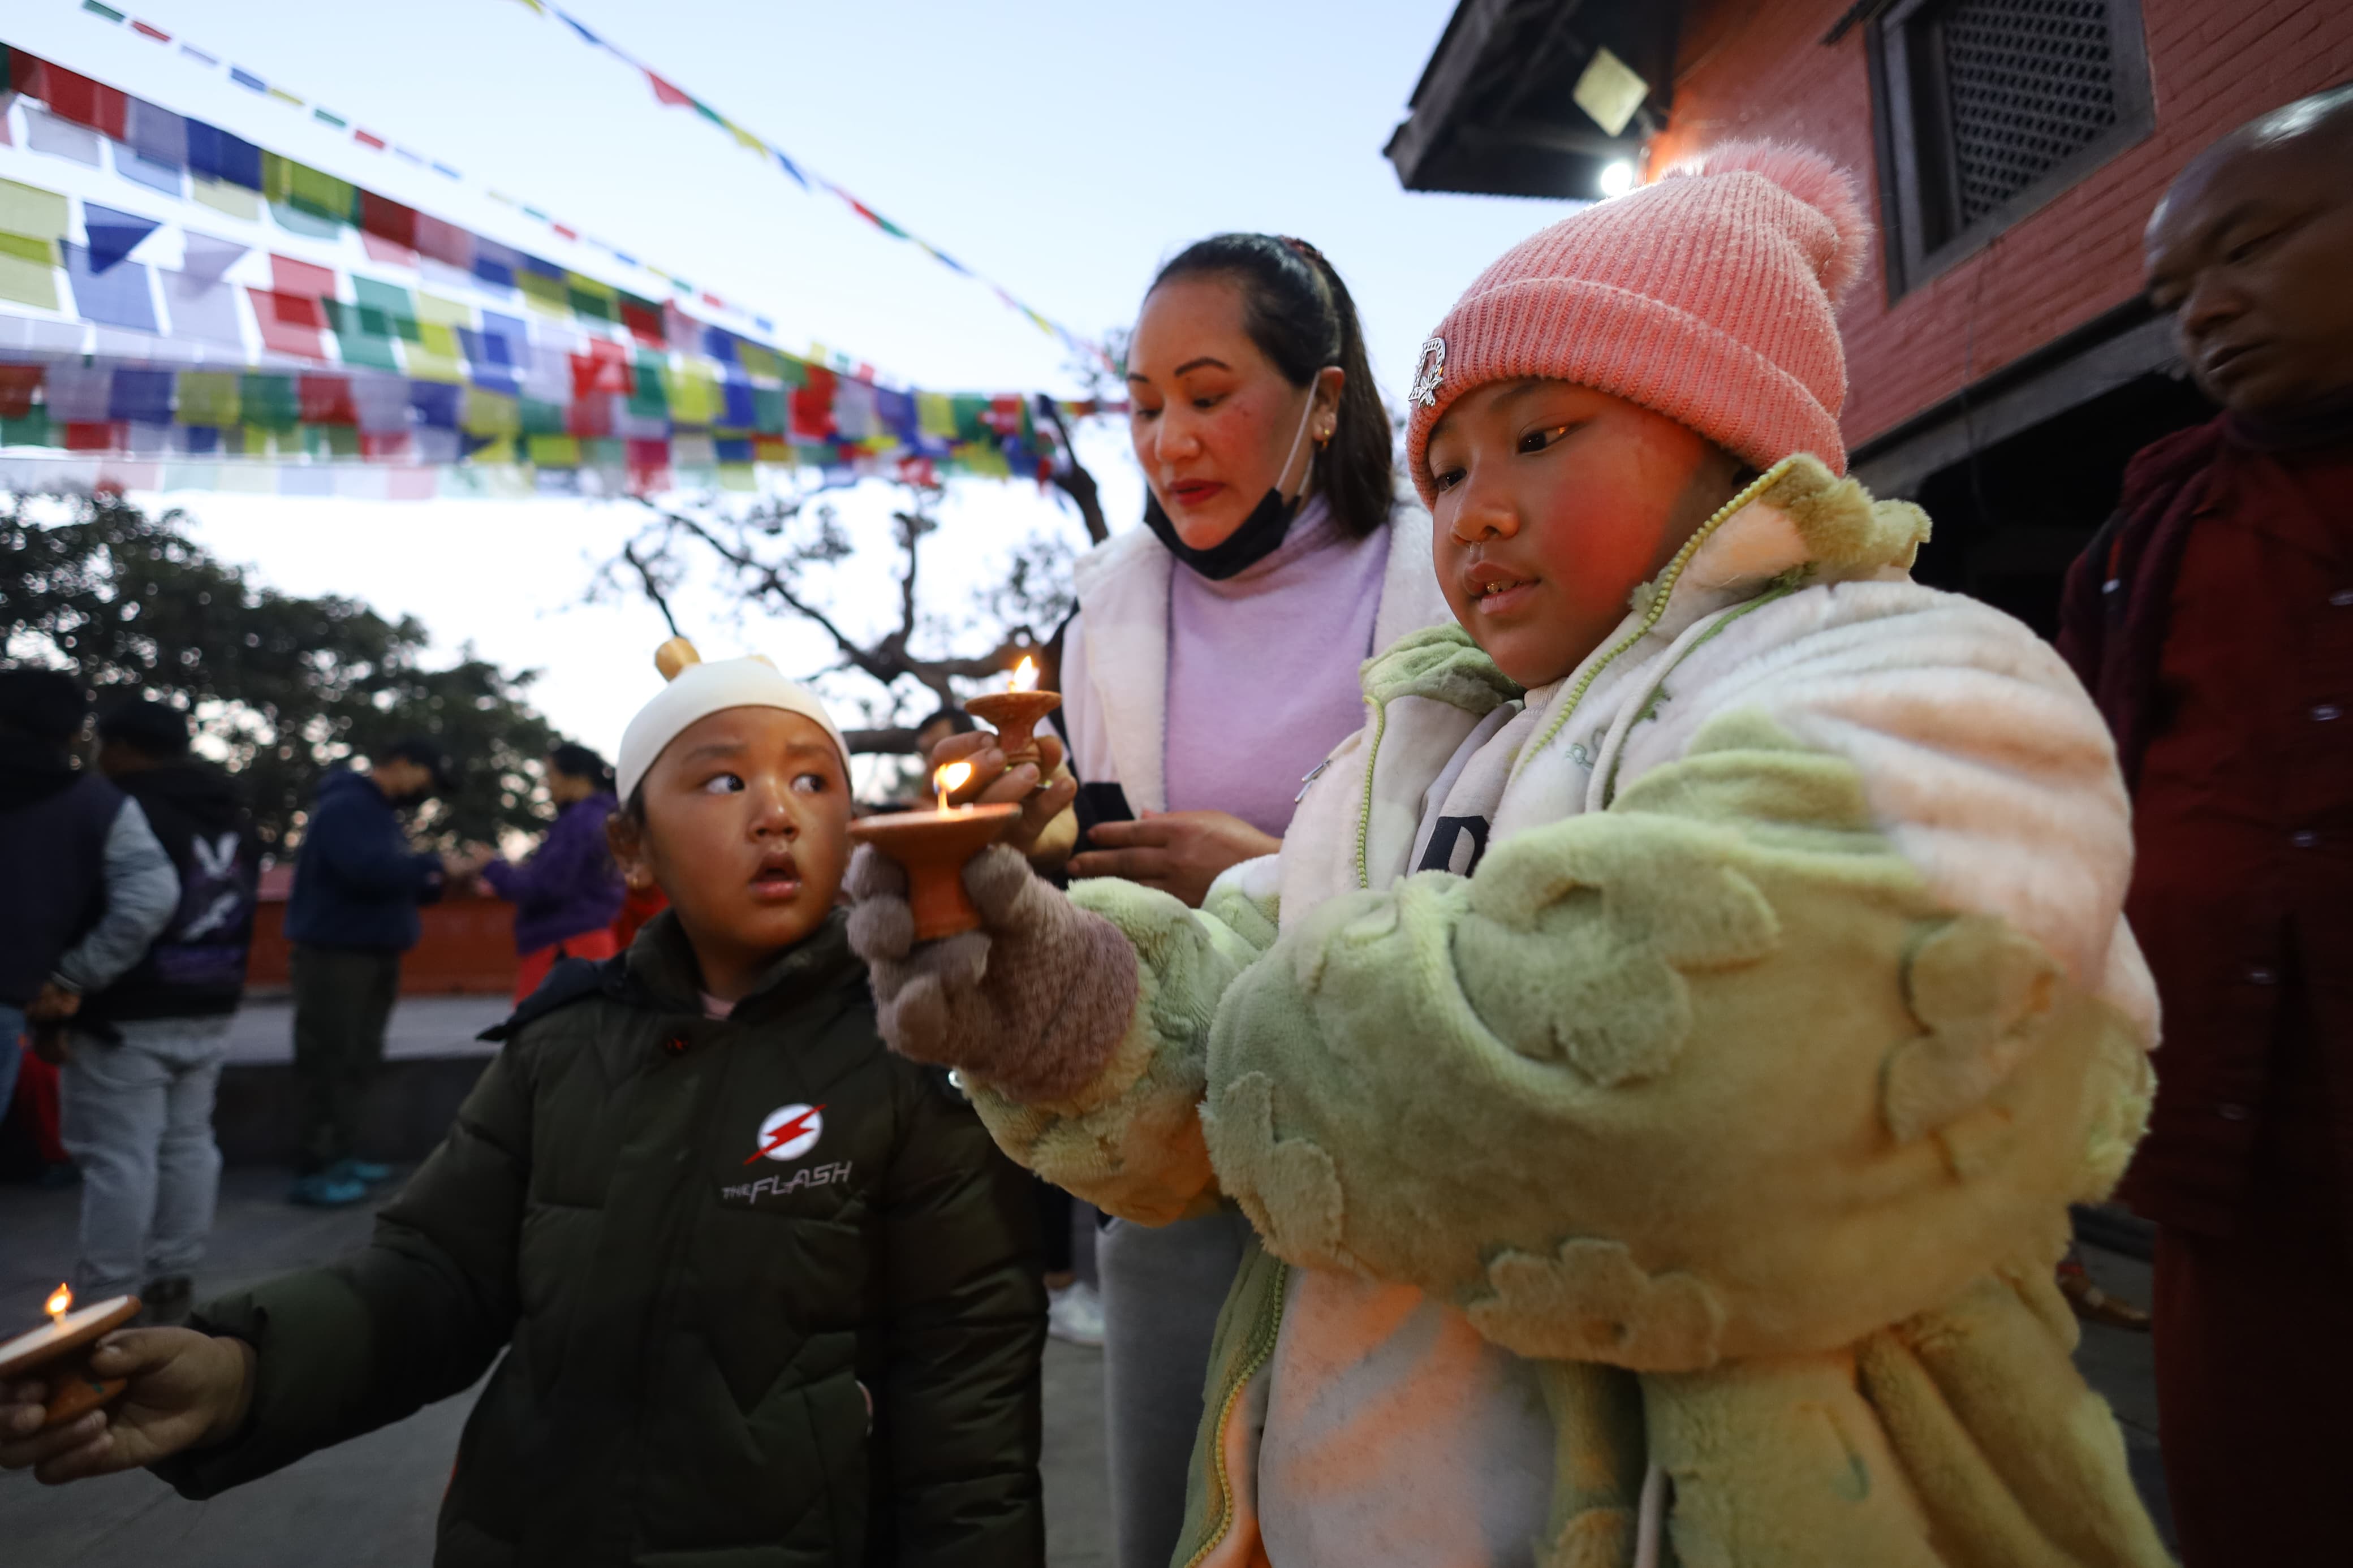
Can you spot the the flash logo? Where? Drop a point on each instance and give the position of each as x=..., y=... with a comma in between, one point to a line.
x=789, y=1132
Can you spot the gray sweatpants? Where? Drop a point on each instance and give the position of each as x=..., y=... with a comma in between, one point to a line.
x=1161, y=1288
x=138, y=1119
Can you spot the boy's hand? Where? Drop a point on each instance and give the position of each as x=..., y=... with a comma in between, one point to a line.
x=1034, y=1003
x=187, y=1391
x=992, y=784
x=1178, y=852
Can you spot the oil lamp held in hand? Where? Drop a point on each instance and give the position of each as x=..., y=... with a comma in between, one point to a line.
x=933, y=847
x=1014, y=713
x=59, y=1351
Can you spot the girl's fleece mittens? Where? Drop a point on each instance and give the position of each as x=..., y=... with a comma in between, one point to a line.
x=1034, y=1002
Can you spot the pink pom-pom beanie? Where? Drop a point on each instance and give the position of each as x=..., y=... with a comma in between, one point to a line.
x=1710, y=296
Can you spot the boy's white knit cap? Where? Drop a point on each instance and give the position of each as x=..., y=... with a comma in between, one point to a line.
x=696, y=690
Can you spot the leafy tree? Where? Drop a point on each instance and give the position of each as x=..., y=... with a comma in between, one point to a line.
x=282, y=688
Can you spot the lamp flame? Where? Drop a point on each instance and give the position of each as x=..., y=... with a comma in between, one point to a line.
x=1025, y=675
x=950, y=777
x=60, y=1301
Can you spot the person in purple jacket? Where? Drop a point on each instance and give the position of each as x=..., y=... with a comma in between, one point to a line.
x=566, y=891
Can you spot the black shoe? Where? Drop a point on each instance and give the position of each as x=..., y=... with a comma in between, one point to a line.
x=163, y=1302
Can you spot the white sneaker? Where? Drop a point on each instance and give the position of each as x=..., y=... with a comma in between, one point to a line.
x=1075, y=1314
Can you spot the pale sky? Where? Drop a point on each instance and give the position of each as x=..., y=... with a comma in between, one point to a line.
x=1062, y=148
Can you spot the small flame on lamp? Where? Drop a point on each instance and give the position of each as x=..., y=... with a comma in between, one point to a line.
x=950, y=777
x=1025, y=675
x=60, y=1301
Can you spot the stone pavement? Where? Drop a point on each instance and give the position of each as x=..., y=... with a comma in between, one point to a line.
x=373, y=1500
x=369, y=1503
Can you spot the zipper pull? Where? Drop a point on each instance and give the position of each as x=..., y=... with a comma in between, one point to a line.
x=1308, y=780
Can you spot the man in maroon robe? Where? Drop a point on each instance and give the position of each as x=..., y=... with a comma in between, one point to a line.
x=2212, y=620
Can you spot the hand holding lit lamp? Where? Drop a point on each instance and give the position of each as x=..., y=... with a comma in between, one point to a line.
x=933, y=847
x=59, y=1351
x=1014, y=713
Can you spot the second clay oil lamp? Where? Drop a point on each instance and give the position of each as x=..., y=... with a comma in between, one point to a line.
x=59, y=1352
x=1014, y=713
x=933, y=847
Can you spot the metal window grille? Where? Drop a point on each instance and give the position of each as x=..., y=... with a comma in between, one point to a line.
x=2027, y=83
x=1987, y=109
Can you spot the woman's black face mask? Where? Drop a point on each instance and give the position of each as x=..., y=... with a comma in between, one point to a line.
x=1260, y=533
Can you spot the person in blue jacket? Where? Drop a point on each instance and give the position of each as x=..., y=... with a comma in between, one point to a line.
x=357, y=885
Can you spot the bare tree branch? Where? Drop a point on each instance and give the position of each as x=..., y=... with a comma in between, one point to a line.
x=652, y=586
x=1071, y=476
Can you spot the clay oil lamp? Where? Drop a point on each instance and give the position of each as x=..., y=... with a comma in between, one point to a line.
x=59, y=1352
x=1014, y=714
x=933, y=847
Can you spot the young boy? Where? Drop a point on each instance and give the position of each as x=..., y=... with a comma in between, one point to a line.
x=1658, y=1064
x=767, y=1293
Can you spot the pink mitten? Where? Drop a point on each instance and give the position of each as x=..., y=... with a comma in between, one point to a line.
x=1034, y=1002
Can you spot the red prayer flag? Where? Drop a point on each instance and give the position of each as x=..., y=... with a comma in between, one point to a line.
x=390, y=252
x=566, y=232
x=301, y=279
x=382, y=216
x=443, y=241
x=589, y=416
x=605, y=368
x=327, y=400
x=96, y=437
x=74, y=97
x=645, y=323
x=812, y=412
x=157, y=34
x=290, y=324
x=28, y=74
x=368, y=139
x=383, y=447
x=665, y=93
x=17, y=384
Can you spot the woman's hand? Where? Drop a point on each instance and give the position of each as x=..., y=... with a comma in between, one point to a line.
x=993, y=783
x=1178, y=852
x=187, y=1390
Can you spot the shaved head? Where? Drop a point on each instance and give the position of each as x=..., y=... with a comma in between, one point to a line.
x=2249, y=252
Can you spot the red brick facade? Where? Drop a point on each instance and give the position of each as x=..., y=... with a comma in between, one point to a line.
x=1750, y=68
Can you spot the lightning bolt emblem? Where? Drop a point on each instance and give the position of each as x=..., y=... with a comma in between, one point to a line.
x=785, y=1133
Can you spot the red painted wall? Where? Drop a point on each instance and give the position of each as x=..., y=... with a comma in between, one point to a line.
x=1759, y=69
x=466, y=949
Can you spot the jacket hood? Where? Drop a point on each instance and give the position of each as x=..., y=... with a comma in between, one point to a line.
x=661, y=962
x=201, y=793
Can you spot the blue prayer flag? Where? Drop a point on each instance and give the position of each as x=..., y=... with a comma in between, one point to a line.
x=144, y=395
x=216, y=155
x=113, y=235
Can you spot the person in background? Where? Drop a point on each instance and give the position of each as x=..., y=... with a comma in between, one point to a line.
x=357, y=884
x=84, y=885
x=767, y=1294
x=137, y=1087
x=2212, y=620
x=939, y=727
x=566, y=892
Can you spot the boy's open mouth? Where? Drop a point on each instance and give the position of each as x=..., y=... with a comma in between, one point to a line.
x=776, y=879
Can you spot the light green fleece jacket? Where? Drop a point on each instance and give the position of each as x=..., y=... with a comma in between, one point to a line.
x=1743, y=1085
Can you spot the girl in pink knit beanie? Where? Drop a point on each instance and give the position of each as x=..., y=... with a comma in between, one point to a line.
x=1658, y=1065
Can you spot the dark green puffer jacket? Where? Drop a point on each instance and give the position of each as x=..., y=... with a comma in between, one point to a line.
x=687, y=1321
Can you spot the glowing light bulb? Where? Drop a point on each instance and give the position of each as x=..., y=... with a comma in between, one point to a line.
x=952, y=777
x=1617, y=178
x=1025, y=676
x=60, y=1301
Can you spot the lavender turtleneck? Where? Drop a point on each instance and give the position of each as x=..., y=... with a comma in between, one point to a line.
x=1262, y=669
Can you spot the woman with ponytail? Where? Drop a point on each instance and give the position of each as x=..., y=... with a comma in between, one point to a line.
x=1211, y=667
x=566, y=891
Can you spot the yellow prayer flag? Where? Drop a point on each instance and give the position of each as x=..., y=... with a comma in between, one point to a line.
x=34, y=213
x=208, y=397
x=935, y=413
x=28, y=282
x=554, y=451
x=443, y=312
x=491, y=414
x=693, y=395
x=744, y=138
x=759, y=364
x=435, y=356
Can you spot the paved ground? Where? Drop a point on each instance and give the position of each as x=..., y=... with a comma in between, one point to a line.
x=375, y=1499
x=369, y=1503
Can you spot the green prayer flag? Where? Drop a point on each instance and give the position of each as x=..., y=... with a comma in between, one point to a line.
x=648, y=401
x=31, y=430
x=542, y=418
x=269, y=402
x=386, y=308
x=768, y=410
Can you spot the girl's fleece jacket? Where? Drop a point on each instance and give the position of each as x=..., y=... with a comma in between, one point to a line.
x=1690, y=1063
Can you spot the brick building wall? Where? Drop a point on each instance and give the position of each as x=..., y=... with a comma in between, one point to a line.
x=1757, y=67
